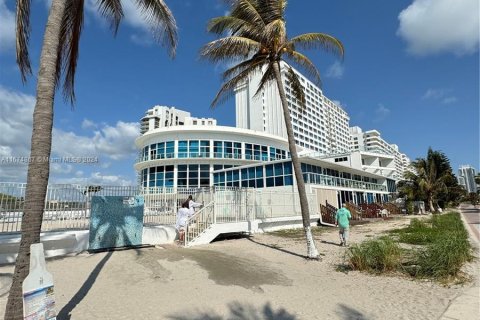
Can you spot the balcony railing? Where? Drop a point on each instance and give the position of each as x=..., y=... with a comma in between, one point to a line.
x=325, y=180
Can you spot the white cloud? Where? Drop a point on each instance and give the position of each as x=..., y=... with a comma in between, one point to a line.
x=107, y=142
x=7, y=27
x=336, y=70
x=88, y=124
x=442, y=95
x=96, y=178
x=440, y=26
x=381, y=113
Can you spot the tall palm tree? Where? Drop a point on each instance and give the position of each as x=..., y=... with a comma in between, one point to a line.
x=255, y=39
x=59, y=59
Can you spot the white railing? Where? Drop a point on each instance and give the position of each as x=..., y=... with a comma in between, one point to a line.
x=199, y=222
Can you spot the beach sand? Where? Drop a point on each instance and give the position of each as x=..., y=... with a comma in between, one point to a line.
x=262, y=277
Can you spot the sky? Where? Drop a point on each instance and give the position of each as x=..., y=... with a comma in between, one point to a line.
x=411, y=71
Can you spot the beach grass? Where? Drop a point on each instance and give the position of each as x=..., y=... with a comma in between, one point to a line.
x=441, y=248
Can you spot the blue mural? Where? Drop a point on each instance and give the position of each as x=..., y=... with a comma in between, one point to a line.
x=115, y=222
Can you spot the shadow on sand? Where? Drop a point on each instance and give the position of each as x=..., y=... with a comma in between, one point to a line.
x=348, y=313
x=83, y=291
x=277, y=248
x=240, y=311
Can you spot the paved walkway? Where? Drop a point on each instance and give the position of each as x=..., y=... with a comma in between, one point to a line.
x=467, y=305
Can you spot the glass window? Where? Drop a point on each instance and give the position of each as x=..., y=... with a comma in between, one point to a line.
x=278, y=169
x=269, y=170
x=218, y=149
x=182, y=149
x=287, y=168
x=270, y=182
x=204, y=149
x=228, y=149
x=194, y=148
x=248, y=151
x=170, y=149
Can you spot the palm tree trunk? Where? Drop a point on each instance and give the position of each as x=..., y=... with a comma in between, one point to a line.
x=39, y=166
x=312, y=251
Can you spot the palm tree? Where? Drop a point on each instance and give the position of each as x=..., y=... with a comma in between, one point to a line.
x=255, y=39
x=430, y=179
x=59, y=58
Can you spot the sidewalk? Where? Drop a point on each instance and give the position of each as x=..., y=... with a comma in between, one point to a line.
x=467, y=305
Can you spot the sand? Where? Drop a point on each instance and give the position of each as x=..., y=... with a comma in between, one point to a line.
x=262, y=277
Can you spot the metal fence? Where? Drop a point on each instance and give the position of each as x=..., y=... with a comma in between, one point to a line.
x=68, y=206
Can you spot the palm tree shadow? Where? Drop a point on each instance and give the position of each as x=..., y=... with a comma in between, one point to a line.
x=349, y=313
x=83, y=291
x=277, y=248
x=240, y=311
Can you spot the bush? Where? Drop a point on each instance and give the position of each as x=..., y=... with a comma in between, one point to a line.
x=378, y=255
x=445, y=257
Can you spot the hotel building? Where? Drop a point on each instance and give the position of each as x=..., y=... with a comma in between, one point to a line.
x=466, y=177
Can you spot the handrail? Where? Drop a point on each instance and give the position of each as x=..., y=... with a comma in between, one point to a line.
x=199, y=222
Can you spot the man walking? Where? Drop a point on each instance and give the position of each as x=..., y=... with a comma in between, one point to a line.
x=342, y=220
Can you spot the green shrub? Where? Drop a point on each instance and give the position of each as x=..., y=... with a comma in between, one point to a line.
x=378, y=255
x=445, y=257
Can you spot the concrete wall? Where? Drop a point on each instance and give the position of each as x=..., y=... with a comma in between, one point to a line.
x=61, y=243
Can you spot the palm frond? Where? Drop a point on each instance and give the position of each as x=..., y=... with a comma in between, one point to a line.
x=268, y=76
x=227, y=89
x=306, y=64
x=271, y=10
x=113, y=11
x=70, y=32
x=246, y=10
x=228, y=48
x=296, y=86
x=164, y=26
x=275, y=33
x=23, y=37
x=319, y=41
x=240, y=67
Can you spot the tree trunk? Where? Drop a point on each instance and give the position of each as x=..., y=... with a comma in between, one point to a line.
x=312, y=251
x=39, y=166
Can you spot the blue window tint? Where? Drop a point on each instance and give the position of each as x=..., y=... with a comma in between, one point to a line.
x=264, y=153
x=217, y=167
x=218, y=149
x=287, y=168
x=151, y=183
x=205, y=174
x=270, y=182
x=304, y=167
x=182, y=149
x=236, y=175
x=251, y=173
x=259, y=172
x=237, y=150
x=259, y=183
x=205, y=167
x=229, y=176
x=244, y=174
x=182, y=167
x=236, y=183
x=194, y=148
x=289, y=180
x=228, y=150
x=204, y=148
x=272, y=153
x=269, y=170
x=256, y=152
x=204, y=182
x=251, y=183
x=278, y=181
x=170, y=149
x=193, y=167
x=244, y=183
x=193, y=183
x=248, y=151
x=221, y=177
x=278, y=169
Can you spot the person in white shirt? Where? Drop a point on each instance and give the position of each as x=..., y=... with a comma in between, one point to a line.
x=182, y=217
x=192, y=205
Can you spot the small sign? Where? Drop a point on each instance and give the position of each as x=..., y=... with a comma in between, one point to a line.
x=39, y=304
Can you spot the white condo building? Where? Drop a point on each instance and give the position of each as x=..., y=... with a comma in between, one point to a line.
x=322, y=126
x=371, y=141
x=466, y=178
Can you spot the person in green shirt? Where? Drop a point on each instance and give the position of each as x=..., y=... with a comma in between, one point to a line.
x=342, y=220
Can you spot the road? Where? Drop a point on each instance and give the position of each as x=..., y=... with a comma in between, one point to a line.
x=472, y=216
